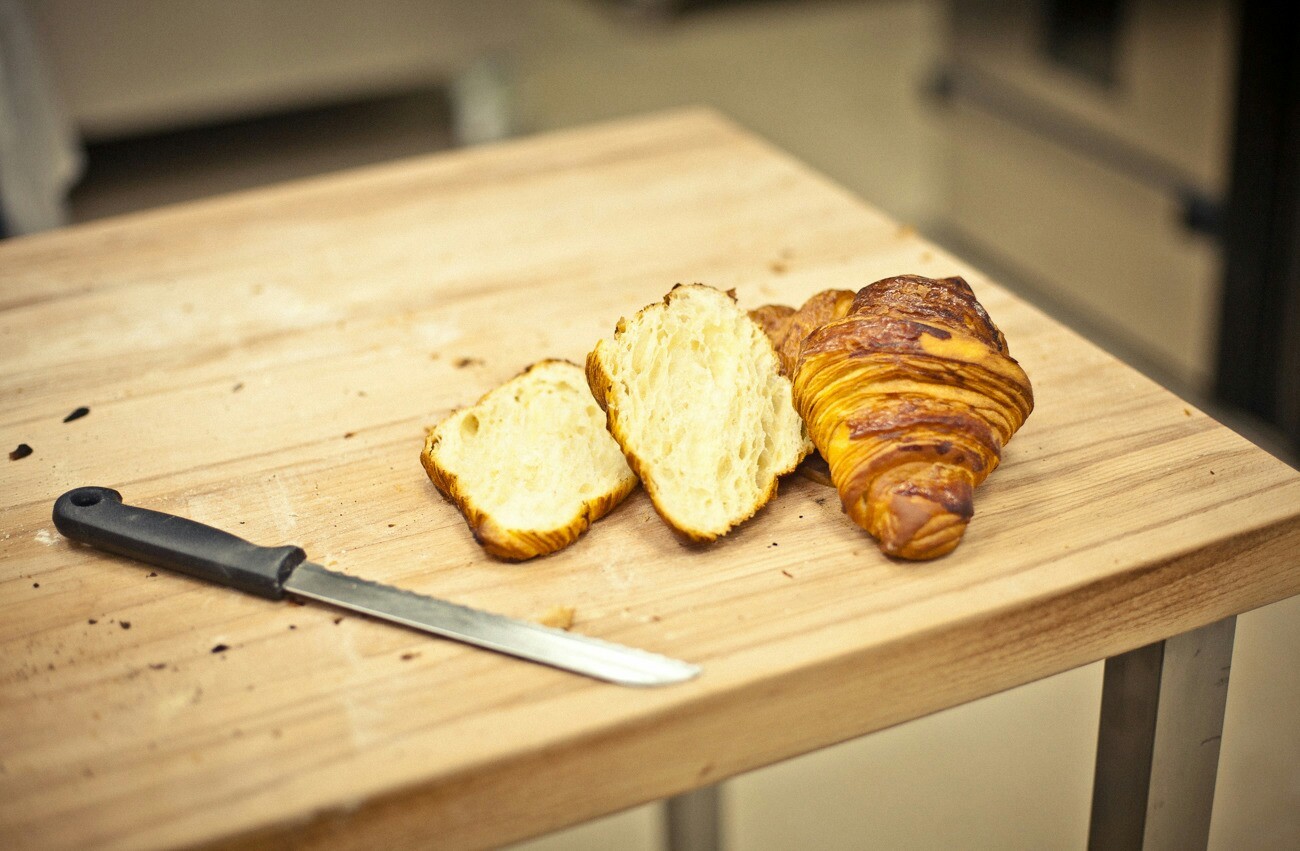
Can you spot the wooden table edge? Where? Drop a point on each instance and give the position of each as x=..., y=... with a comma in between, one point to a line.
x=459, y=810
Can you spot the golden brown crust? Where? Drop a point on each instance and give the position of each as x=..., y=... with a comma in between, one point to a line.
x=598, y=379
x=498, y=540
x=787, y=328
x=826, y=306
x=910, y=398
x=774, y=319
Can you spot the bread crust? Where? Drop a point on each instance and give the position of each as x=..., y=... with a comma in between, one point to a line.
x=787, y=332
x=514, y=544
x=910, y=397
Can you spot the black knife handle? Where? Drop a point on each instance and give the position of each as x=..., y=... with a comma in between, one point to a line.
x=97, y=516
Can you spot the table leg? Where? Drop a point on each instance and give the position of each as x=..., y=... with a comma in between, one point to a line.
x=693, y=820
x=1158, y=747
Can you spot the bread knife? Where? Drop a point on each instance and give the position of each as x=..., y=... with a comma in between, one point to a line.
x=98, y=517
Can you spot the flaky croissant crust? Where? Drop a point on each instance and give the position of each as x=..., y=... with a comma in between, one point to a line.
x=910, y=398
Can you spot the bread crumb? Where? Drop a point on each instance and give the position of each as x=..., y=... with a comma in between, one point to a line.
x=558, y=617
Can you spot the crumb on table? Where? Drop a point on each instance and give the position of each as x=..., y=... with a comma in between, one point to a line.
x=558, y=617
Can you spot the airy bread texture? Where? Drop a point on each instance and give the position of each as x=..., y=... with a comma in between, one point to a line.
x=695, y=397
x=531, y=464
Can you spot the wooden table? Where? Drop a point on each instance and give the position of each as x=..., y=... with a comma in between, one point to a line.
x=267, y=362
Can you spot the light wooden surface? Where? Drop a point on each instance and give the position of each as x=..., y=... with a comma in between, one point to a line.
x=267, y=363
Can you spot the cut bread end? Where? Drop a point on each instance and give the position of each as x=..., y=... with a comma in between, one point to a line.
x=694, y=395
x=530, y=465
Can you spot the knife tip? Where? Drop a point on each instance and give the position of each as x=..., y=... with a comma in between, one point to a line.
x=680, y=672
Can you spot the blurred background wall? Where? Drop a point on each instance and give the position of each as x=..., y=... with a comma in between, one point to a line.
x=1089, y=155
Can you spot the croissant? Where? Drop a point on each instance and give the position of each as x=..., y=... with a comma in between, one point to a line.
x=788, y=328
x=909, y=393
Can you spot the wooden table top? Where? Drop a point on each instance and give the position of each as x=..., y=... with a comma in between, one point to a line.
x=267, y=362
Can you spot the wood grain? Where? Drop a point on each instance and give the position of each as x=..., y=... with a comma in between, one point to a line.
x=267, y=362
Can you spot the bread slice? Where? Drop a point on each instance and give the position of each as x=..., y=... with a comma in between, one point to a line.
x=531, y=464
x=695, y=397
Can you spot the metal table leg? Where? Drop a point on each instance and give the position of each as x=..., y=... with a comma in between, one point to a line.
x=693, y=821
x=1158, y=748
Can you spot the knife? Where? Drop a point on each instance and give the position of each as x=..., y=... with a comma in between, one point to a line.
x=98, y=517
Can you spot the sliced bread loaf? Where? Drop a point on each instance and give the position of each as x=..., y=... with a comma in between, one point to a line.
x=695, y=397
x=531, y=464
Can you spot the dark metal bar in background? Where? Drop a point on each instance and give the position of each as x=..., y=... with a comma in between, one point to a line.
x=694, y=820
x=1258, y=364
